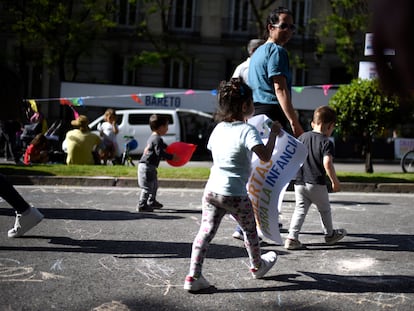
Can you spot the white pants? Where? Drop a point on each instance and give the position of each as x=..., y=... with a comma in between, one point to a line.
x=305, y=195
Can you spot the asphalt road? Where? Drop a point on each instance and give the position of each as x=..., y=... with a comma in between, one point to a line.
x=94, y=252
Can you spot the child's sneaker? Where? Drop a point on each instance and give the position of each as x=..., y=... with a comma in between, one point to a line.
x=337, y=235
x=268, y=261
x=192, y=284
x=144, y=208
x=294, y=244
x=157, y=204
x=25, y=221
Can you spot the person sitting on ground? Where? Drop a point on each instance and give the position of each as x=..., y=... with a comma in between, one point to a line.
x=80, y=143
x=37, y=151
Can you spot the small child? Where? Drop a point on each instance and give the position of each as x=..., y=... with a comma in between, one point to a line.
x=149, y=162
x=310, y=184
x=108, y=131
x=232, y=143
x=37, y=151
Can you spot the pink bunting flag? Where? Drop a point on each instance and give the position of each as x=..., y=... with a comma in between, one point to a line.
x=189, y=92
x=75, y=113
x=326, y=88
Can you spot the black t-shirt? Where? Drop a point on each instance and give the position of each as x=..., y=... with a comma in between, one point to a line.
x=155, y=151
x=313, y=171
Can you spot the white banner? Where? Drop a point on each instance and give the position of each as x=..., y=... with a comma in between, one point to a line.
x=269, y=180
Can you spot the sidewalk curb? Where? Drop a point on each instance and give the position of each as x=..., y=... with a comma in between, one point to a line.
x=105, y=181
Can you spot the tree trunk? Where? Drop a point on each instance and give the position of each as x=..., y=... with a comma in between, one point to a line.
x=368, y=155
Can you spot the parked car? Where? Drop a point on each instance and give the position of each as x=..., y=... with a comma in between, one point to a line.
x=191, y=126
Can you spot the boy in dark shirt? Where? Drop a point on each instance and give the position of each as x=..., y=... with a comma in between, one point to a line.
x=310, y=183
x=149, y=162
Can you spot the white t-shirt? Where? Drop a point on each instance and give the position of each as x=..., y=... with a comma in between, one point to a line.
x=231, y=146
x=242, y=71
x=109, y=135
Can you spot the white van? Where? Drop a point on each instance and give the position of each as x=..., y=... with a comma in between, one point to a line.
x=191, y=126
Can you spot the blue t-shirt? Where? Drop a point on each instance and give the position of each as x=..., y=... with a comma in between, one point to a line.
x=269, y=60
x=231, y=146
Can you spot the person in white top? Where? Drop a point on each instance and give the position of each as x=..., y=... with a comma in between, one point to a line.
x=242, y=69
x=108, y=131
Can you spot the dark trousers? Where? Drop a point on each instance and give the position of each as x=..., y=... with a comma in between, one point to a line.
x=11, y=196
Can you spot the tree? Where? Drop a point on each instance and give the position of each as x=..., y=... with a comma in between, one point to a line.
x=347, y=24
x=363, y=109
x=58, y=33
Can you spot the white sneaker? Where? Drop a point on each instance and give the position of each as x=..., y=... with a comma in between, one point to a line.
x=192, y=284
x=25, y=221
x=268, y=261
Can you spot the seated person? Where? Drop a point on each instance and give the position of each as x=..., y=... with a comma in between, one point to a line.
x=37, y=151
x=80, y=143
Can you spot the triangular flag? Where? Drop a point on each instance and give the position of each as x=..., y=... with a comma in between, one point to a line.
x=77, y=101
x=65, y=101
x=298, y=89
x=159, y=95
x=189, y=92
x=326, y=87
x=75, y=113
x=33, y=105
x=136, y=98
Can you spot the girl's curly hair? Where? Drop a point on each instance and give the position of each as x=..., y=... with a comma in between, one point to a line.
x=231, y=96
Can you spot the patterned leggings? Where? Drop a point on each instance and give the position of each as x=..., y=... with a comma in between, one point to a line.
x=215, y=206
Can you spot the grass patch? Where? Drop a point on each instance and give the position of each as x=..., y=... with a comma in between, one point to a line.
x=173, y=172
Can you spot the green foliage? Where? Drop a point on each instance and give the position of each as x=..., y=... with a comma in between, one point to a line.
x=57, y=33
x=361, y=107
x=347, y=24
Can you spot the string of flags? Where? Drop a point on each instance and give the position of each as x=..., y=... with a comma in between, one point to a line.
x=136, y=97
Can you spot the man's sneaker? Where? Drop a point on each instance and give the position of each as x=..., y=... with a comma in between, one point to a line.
x=337, y=235
x=238, y=235
x=25, y=221
x=156, y=204
x=268, y=260
x=192, y=284
x=144, y=208
x=294, y=244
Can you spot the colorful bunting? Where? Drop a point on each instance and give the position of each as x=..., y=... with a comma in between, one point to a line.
x=326, y=88
x=65, y=101
x=159, y=95
x=77, y=101
x=80, y=101
x=298, y=89
x=33, y=105
x=136, y=98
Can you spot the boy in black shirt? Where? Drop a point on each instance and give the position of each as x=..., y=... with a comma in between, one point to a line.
x=149, y=162
x=310, y=183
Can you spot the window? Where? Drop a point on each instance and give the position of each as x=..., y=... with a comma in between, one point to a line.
x=301, y=10
x=127, y=12
x=240, y=12
x=180, y=74
x=143, y=119
x=183, y=14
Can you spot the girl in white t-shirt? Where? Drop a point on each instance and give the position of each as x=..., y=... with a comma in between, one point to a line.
x=231, y=143
x=108, y=131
